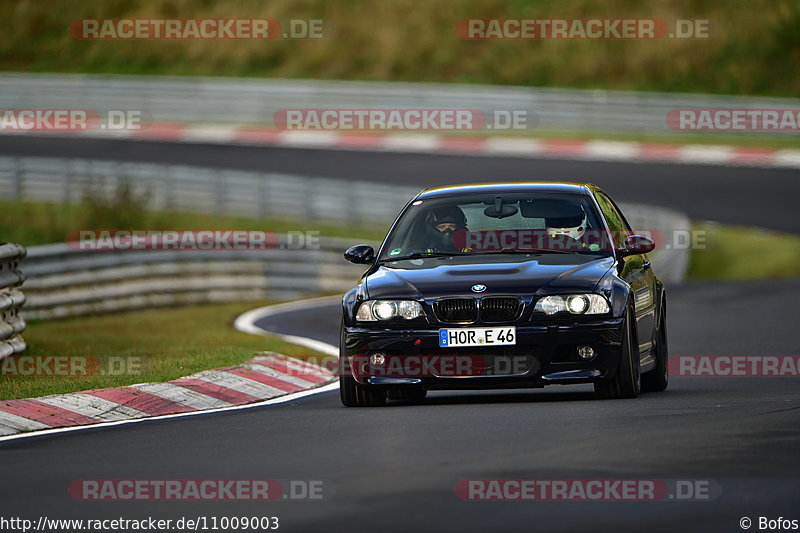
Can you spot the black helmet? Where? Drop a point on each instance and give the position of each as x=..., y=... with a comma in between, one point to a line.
x=443, y=240
x=451, y=213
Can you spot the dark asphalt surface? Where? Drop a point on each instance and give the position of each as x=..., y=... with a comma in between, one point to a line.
x=395, y=468
x=734, y=195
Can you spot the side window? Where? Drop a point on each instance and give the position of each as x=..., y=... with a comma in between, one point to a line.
x=616, y=222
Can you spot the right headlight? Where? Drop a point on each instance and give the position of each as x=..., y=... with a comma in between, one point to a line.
x=372, y=310
x=577, y=304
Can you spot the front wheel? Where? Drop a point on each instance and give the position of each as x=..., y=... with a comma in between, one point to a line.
x=657, y=379
x=625, y=383
x=354, y=395
x=350, y=392
x=412, y=394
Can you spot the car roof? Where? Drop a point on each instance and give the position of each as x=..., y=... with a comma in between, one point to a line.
x=507, y=187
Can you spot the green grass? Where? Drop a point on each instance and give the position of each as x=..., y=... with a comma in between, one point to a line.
x=159, y=345
x=739, y=253
x=753, y=47
x=47, y=223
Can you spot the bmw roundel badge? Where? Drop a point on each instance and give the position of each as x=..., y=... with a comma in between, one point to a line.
x=478, y=288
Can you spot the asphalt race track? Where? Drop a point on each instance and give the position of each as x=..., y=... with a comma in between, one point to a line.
x=395, y=468
x=763, y=197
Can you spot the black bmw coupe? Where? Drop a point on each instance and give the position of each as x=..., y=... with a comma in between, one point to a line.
x=504, y=285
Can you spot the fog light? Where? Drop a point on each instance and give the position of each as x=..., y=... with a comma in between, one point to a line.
x=377, y=359
x=585, y=352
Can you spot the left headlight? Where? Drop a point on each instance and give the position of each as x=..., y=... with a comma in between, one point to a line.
x=372, y=310
x=577, y=304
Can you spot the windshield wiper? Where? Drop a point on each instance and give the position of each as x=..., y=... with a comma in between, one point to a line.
x=421, y=255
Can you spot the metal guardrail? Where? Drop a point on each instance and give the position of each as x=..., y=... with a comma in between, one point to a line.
x=249, y=194
x=670, y=261
x=11, y=299
x=255, y=101
x=205, y=190
x=63, y=281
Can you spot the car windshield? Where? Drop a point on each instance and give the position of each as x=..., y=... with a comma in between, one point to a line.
x=535, y=222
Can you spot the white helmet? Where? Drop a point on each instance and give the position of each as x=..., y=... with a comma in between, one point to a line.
x=570, y=224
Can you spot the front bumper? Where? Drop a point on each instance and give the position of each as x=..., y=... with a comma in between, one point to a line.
x=543, y=354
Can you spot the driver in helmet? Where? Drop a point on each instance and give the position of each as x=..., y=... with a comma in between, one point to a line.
x=567, y=231
x=441, y=224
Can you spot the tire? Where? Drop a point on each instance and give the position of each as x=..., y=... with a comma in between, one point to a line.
x=350, y=392
x=626, y=380
x=354, y=395
x=657, y=379
x=411, y=394
x=417, y=395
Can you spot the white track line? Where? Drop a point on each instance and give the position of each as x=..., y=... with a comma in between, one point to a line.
x=246, y=323
x=243, y=323
x=210, y=133
x=308, y=139
x=411, y=143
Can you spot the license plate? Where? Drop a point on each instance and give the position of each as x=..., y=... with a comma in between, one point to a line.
x=451, y=337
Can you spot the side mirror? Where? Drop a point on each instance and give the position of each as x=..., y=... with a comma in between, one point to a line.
x=362, y=254
x=635, y=245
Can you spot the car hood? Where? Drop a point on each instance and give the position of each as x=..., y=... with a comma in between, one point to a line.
x=438, y=277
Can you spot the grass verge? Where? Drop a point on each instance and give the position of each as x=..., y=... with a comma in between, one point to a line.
x=47, y=223
x=751, y=46
x=141, y=346
x=740, y=253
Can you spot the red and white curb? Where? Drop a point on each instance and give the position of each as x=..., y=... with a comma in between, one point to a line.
x=596, y=150
x=264, y=380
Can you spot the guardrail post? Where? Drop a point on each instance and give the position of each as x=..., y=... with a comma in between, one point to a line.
x=169, y=187
x=66, y=191
x=220, y=198
x=309, y=211
x=16, y=187
x=263, y=197
x=354, y=214
x=11, y=300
